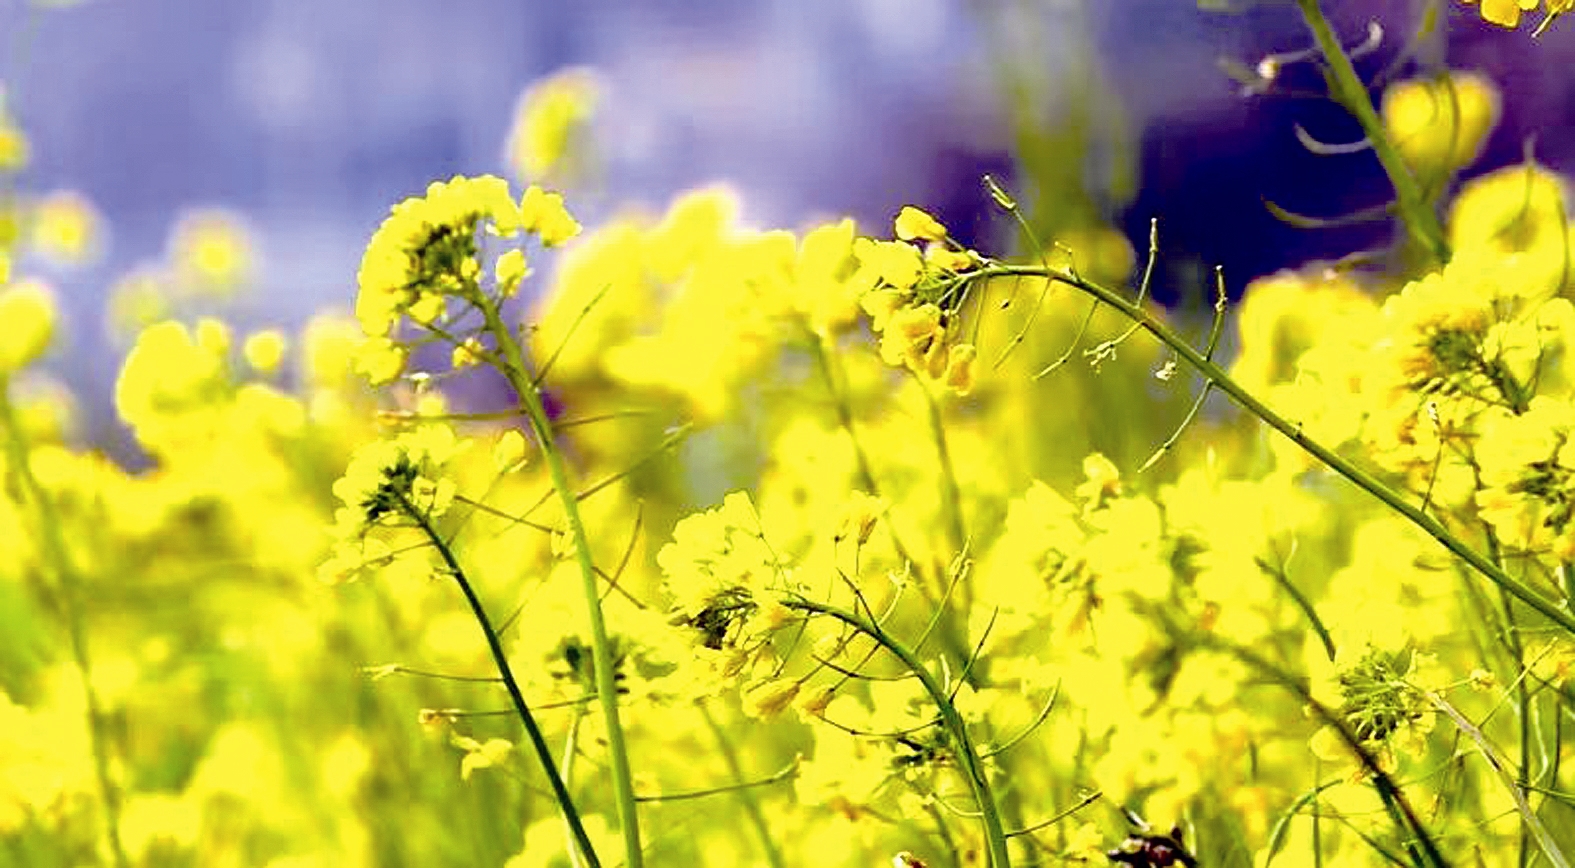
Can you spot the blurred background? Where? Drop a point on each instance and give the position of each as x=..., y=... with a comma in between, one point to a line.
x=294, y=124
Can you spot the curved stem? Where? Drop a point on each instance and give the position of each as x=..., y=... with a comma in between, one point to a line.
x=67, y=583
x=513, y=368
x=1419, y=216
x=560, y=790
x=967, y=755
x=1343, y=466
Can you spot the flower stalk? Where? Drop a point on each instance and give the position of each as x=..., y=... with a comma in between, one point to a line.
x=1215, y=374
x=967, y=755
x=513, y=368
x=1346, y=87
x=66, y=578
x=560, y=790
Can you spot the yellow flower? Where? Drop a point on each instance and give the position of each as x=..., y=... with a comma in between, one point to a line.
x=508, y=453
x=381, y=360
x=264, y=351
x=913, y=224
x=28, y=310
x=211, y=251
x=550, y=116
x=66, y=228
x=509, y=270
x=427, y=249
x=466, y=354
x=937, y=255
x=1527, y=488
x=1515, y=220
x=543, y=213
x=1379, y=697
x=1505, y=13
x=401, y=478
x=1440, y=124
x=13, y=144
x=888, y=264
x=826, y=295
x=767, y=699
x=480, y=754
x=717, y=572
x=962, y=365
x=1102, y=482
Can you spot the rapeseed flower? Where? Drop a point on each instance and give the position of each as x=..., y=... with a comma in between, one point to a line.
x=1379, y=695
x=1506, y=13
x=427, y=249
x=28, y=310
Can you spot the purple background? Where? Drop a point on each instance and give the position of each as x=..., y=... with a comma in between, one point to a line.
x=313, y=116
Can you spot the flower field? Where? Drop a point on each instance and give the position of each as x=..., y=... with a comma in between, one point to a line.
x=668, y=540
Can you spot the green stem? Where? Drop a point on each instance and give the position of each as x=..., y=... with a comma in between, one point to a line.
x=67, y=582
x=951, y=494
x=560, y=790
x=602, y=658
x=1516, y=649
x=1419, y=216
x=757, y=818
x=967, y=755
x=1344, y=467
x=842, y=402
x=1399, y=808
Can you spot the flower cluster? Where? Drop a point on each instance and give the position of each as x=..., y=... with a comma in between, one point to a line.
x=914, y=298
x=399, y=482
x=1379, y=697
x=724, y=580
x=425, y=261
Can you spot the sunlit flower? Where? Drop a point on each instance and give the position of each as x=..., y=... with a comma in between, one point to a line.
x=913, y=224
x=427, y=248
x=399, y=479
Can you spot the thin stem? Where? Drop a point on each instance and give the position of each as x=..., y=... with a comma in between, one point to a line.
x=67, y=583
x=1344, y=467
x=1513, y=786
x=951, y=494
x=1399, y=808
x=529, y=393
x=1347, y=89
x=560, y=790
x=967, y=755
x=746, y=796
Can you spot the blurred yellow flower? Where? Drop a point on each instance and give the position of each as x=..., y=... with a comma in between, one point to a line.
x=544, y=214
x=13, y=144
x=28, y=310
x=66, y=228
x=212, y=252
x=550, y=123
x=264, y=350
x=1440, y=124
